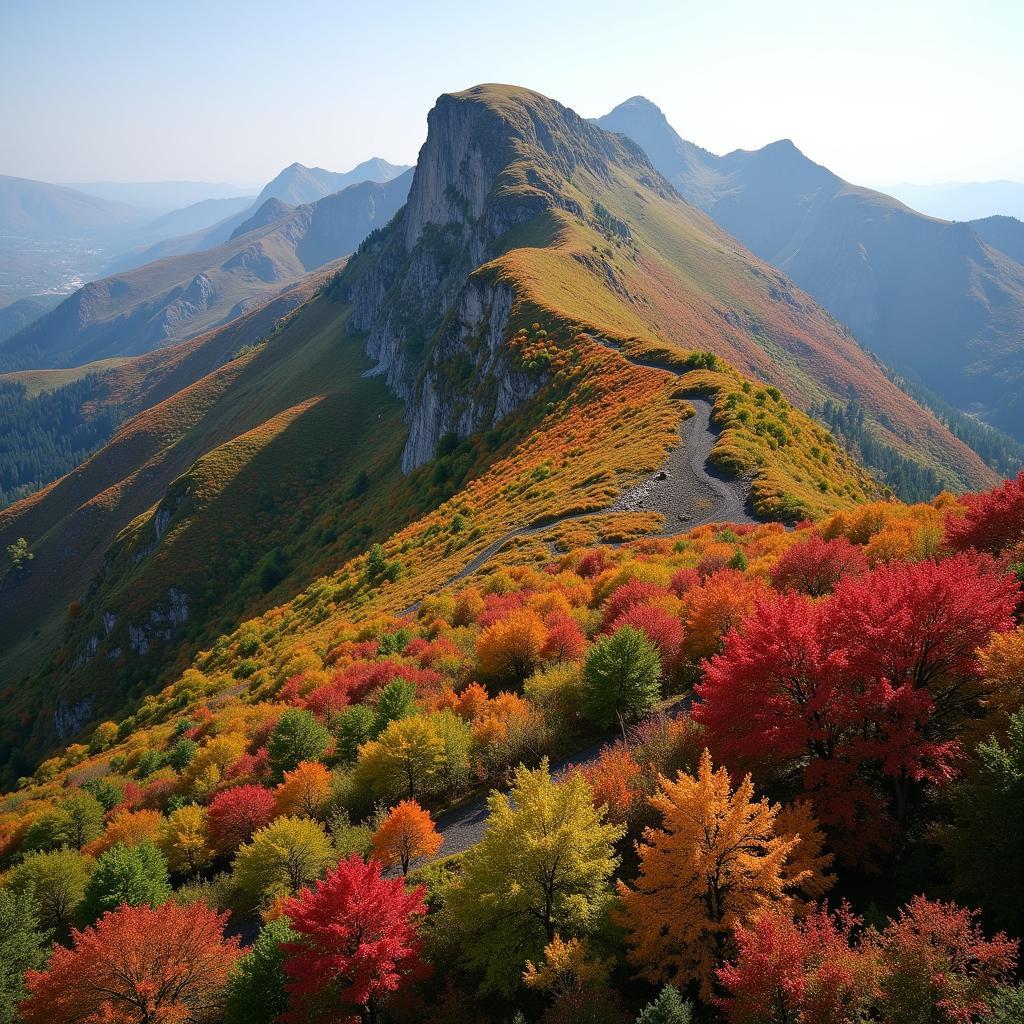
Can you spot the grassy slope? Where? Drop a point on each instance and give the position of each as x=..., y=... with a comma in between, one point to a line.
x=679, y=279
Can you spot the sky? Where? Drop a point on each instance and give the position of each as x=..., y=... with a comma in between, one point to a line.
x=230, y=91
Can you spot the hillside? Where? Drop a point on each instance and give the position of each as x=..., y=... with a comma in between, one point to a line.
x=538, y=314
x=929, y=297
x=183, y=296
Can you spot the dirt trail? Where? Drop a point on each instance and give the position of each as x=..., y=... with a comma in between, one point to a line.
x=687, y=490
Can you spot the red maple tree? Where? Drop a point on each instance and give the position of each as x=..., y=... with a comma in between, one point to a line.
x=236, y=814
x=992, y=521
x=870, y=683
x=357, y=942
x=808, y=971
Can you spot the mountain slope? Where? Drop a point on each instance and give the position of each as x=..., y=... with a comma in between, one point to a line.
x=182, y=296
x=521, y=311
x=927, y=296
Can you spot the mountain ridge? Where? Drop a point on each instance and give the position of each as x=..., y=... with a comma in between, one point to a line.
x=926, y=295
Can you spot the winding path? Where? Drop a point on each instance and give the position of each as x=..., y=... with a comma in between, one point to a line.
x=689, y=492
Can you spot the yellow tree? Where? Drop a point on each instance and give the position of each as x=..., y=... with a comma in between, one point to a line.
x=184, y=840
x=405, y=835
x=304, y=790
x=541, y=869
x=715, y=862
x=405, y=759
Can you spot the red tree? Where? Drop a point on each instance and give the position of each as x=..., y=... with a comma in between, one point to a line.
x=807, y=971
x=565, y=641
x=870, y=683
x=663, y=629
x=236, y=814
x=921, y=624
x=357, y=941
x=137, y=965
x=623, y=598
x=815, y=566
x=993, y=520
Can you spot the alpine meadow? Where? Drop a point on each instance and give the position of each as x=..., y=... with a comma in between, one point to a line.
x=564, y=575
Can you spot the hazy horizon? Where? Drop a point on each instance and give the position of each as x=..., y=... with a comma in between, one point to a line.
x=331, y=85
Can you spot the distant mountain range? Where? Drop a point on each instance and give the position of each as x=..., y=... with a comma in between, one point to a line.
x=970, y=200
x=297, y=184
x=181, y=296
x=54, y=238
x=940, y=301
x=34, y=209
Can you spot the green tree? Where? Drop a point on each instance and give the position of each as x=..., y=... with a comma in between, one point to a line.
x=352, y=727
x=77, y=820
x=109, y=793
x=56, y=880
x=22, y=948
x=985, y=841
x=81, y=819
x=136, y=875
x=1005, y=1007
x=298, y=736
x=668, y=1007
x=180, y=755
x=281, y=858
x=541, y=869
x=396, y=701
x=256, y=992
x=621, y=678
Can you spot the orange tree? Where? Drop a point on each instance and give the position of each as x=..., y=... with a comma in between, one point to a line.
x=715, y=862
x=406, y=834
x=135, y=966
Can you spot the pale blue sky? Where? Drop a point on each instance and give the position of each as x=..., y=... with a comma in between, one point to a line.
x=232, y=91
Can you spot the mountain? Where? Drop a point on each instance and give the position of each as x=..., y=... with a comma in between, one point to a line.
x=297, y=184
x=930, y=297
x=519, y=347
x=18, y=315
x=160, y=195
x=182, y=296
x=188, y=219
x=36, y=210
x=294, y=186
x=973, y=200
x=1003, y=233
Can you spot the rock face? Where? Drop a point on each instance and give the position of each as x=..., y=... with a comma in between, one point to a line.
x=493, y=161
